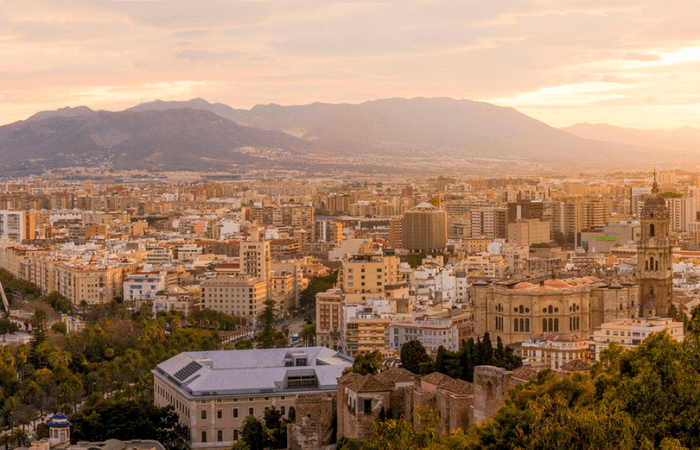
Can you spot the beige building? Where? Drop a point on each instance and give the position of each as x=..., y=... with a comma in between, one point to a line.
x=240, y=296
x=425, y=228
x=528, y=231
x=89, y=283
x=329, y=315
x=554, y=350
x=516, y=311
x=367, y=274
x=213, y=392
x=365, y=328
x=629, y=333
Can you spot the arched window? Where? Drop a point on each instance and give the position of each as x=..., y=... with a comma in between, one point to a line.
x=544, y=325
x=656, y=267
x=578, y=322
x=651, y=263
x=522, y=324
x=527, y=325
x=550, y=325
x=521, y=309
x=651, y=230
x=549, y=310
x=515, y=324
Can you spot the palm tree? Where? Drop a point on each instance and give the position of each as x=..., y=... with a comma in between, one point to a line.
x=18, y=435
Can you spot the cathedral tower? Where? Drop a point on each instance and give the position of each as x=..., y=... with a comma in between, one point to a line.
x=654, y=256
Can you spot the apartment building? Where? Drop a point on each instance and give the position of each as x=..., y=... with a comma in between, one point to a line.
x=329, y=315
x=240, y=295
x=365, y=328
x=90, y=283
x=629, y=333
x=367, y=274
x=433, y=333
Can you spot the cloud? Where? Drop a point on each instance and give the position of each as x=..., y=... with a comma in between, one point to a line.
x=632, y=56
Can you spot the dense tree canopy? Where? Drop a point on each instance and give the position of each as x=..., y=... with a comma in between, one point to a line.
x=307, y=297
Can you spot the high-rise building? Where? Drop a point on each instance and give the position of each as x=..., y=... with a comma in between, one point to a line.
x=17, y=225
x=525, y=210
x=425, y=228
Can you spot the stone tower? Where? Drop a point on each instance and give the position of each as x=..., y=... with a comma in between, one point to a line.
x=654, y=257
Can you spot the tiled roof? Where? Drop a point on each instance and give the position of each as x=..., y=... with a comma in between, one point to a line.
x=370, y=383
x=397, y=375
x=576, y=365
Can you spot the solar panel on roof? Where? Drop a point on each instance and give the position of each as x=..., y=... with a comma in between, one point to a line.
x=187, y=371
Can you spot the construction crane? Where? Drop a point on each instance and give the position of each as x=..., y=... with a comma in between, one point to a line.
x=4, y=298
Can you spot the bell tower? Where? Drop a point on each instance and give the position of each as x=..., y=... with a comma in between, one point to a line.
x=654, y=268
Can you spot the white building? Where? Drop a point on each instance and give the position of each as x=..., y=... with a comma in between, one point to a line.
x=12, y=224
x=142, y=286
x=432, y=333
x=629, y=333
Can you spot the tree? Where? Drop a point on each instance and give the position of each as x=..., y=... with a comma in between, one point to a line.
x=276, y=430
x=369, y=363
x=307, y=297
x=59, y=327
x=308, y=334
x=38, y=334
x=414, y=358
x=253, y=433
x=8, y=327
x=269, y=337
x=244, y=344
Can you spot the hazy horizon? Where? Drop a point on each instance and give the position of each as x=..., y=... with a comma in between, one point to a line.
x=625, y=63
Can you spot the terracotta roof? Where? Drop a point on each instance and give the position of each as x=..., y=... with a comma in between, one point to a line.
x=576, y=365
x=397, y=375
x=370, y=383
x=435, y=378
x=349, y=378
x=457, y=386
x=524, y=373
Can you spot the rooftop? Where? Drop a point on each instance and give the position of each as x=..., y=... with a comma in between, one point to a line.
x=251, y=372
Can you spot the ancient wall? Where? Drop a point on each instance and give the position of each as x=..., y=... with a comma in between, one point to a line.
x=490, y=391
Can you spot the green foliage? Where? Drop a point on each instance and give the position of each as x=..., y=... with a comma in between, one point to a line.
x=59, y=302
x=243, y=344
x=207, y=318
x=415, y=359
x=400, y=434
x=253, y=433
x=7, y=327
x=369, y=363
x=307, y=298
x=128, y=419
x=308, y=334
x=59, y=327
x=269, y=337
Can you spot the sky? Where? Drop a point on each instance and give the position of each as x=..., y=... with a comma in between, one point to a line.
x=631, y=63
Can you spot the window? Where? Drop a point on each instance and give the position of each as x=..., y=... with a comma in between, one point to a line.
x=515, y=325
x=235, y=435
x=251, y=411
x=204, y=414
x=282, y=410
x=204, y=436
x=219, y=435
x=235, y=413
x=368, y=406
x=219, y=414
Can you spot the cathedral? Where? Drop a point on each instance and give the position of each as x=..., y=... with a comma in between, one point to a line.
x=517, y=310
x=654, y=263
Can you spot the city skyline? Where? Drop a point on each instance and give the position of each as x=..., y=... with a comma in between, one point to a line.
x=624, y=63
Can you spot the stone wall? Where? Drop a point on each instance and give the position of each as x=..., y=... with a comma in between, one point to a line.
x=490, y=391
x=312, y=428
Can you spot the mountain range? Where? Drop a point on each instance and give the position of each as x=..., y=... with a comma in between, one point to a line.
x=392, y=133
